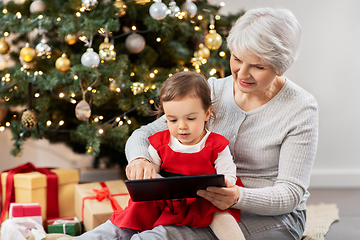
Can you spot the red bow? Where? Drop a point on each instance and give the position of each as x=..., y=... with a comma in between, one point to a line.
x=101, y=194
x=52, y=199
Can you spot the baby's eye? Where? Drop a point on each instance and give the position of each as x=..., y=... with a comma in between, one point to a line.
x=172, y=120
x=191, y=119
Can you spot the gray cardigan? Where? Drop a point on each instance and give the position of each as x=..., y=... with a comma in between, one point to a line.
x=274, y=146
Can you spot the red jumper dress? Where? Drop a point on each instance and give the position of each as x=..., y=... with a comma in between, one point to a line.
x=195, y=212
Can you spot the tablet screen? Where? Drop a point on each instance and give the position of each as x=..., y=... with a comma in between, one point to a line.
x=172, y=187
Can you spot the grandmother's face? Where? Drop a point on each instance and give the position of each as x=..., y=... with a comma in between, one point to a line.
x=250, y=74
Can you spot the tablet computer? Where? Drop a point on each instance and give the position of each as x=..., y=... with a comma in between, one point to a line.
x=172, y=187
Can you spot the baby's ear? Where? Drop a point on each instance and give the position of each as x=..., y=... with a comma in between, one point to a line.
x=208, y=113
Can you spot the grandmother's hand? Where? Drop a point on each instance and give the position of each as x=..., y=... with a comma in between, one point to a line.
x=221, y=197
x=140, y=168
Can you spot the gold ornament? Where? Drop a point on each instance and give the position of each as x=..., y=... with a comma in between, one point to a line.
x=63, y=63
x=106, y=51
x=83, y=111
x=29, y=119
x=27, y=53
x=120, y=5
x=137, y=87
x=142, y=2
x=71, y=38
x=105, y=44
x=213, y=40
x=4, y=47
x=203, y=52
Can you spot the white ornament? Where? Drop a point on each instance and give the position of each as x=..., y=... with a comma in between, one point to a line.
x=190, y=8
x=2, y=62
x=173, y=9
x=43, y=49
x=90, y=58
x=135, y=43
x=158, y=10
x=37, y=6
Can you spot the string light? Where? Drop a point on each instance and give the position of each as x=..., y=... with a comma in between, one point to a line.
x=151, y=101
x=120, y=123
x=200, y=17
x=197, y=28
x=73, y=101
x=48, y=123
x=222, y=4
x=2, y=128
x=222, y=54
x=37, y=95
x=18, y=15
x=133, y=28
x=76, y=77
x=6, y=34
x=61, y=122
x=212, y=72
x=158, y=39
x=61, y=95
x=101, y=131
x=96, y=119
x=101, y=117
x=152, y=75
x=132, y=74
x=117, y=119
x=89, y=88
x=5, y=11
x=7, y=124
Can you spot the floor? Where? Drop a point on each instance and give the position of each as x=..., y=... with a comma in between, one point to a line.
x=348, y=202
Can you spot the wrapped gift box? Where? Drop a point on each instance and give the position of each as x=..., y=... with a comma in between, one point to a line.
x=28, y=210
x=97, y=212
x=69, y=226
x=31, y=188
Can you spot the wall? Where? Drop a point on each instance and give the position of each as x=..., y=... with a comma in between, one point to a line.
x=327, y=68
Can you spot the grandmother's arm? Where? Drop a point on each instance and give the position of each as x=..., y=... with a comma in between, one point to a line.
x=136, y=150
x=297, y=155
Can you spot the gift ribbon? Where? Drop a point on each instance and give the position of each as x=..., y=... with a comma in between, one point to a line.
x=52, y=199
x=101, y=194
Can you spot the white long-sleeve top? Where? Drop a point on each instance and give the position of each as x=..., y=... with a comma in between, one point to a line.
x=224, y=164
x=274, y=146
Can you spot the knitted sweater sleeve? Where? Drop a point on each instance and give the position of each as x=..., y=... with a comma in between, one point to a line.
x=137, y=145
x=296, y=158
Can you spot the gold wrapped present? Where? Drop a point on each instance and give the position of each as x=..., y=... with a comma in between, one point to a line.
x=94, y=201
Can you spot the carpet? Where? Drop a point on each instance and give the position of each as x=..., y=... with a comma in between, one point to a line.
x=319, y=219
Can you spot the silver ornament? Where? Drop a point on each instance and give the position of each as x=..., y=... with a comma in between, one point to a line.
x=43, y=49
x=158, y=10
x=173, y=9
x=190, y=8
x=89, y=4
x=37, y=6
x=135, y=43
x=90, y=58
x=83, y=111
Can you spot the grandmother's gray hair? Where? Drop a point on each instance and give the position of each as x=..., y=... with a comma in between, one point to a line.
x=273, y=34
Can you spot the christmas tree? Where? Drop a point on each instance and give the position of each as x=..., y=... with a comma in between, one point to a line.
x=87, y=72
